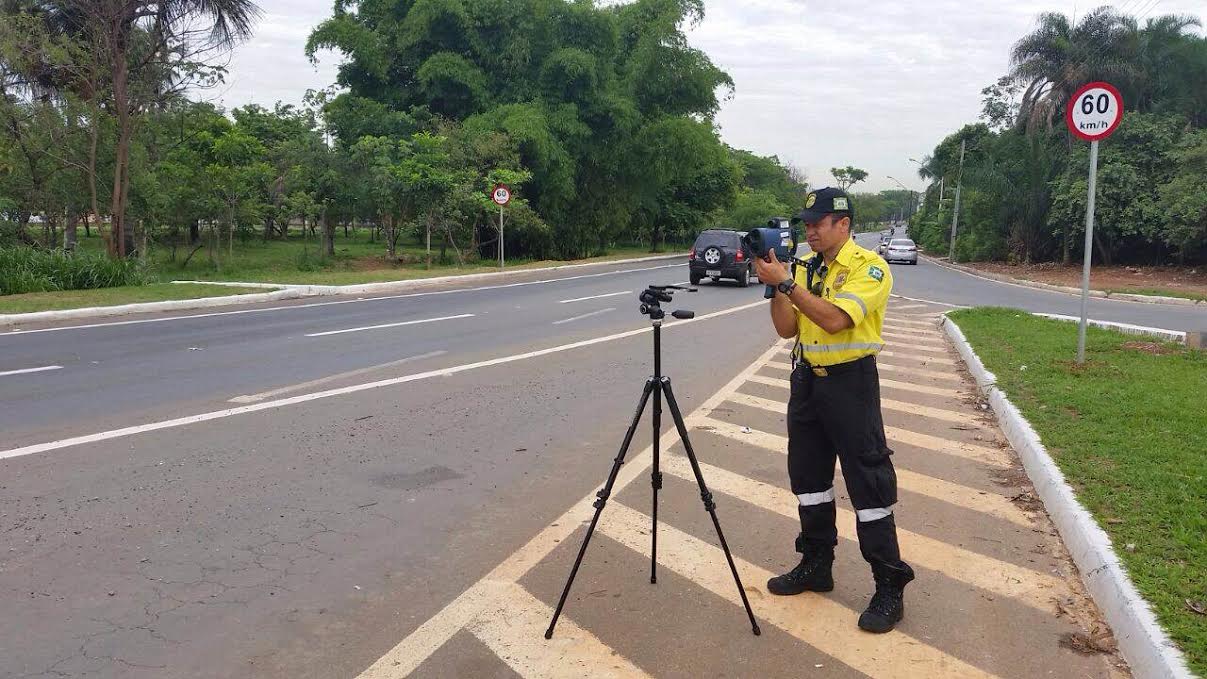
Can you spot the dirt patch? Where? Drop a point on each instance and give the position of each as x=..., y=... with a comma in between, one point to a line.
x=1184, y=280
x=1148, y=347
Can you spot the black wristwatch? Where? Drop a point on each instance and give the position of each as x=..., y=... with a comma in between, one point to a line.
x=787, y=286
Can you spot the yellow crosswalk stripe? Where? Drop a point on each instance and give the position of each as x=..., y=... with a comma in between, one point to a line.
x=912, y=330
x=946, y=491
x=969, y=451
x=891, y=384
x=781, y=407
x=912, y=321
x=883, y=366
x=512, y=624
x=1022, y=584
x=924, y=359
x=936, y=341
x=816, y=620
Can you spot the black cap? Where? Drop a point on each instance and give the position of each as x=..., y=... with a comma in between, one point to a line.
x=823, y=202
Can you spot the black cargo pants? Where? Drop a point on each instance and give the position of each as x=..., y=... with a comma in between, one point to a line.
x=838, y=416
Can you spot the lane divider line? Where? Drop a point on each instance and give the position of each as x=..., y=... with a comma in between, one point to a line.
x=253, y=398
x=26, y=371
x=390, y=325
x=583, y=299
x=351, y=389
x=580, y=317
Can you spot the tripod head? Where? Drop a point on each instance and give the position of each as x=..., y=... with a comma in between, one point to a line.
x=652, y=297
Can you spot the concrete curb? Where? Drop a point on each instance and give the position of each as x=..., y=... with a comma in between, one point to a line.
x=1142, y=642
x=288, y=291
x=1124, y=296
x=1126, y=328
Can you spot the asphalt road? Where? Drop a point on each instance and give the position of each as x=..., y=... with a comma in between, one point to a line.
x=280, y=490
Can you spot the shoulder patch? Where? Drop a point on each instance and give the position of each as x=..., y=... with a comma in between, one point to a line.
x=876, y=272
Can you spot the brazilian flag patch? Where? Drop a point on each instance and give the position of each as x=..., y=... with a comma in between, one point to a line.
x=877, y=273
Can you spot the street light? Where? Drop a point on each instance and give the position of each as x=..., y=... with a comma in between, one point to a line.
x=922, y=165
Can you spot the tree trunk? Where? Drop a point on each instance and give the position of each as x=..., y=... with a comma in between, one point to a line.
x=70, y=234
x=328, y=234
x=428, y=237
x=118, y=236
x=94, y=133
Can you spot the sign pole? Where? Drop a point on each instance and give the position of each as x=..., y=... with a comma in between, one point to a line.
x=500, y=236
x=1089, y=252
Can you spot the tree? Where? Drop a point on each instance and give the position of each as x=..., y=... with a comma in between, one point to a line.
x=848, y=176
x=152, y=50
x=1059, y=56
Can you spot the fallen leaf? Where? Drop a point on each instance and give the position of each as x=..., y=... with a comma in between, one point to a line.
x=1196, y=607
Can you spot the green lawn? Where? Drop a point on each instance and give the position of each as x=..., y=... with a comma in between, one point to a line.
x=1160, y=292
x=75, y=299
x=356, y=261
x=1129, y=431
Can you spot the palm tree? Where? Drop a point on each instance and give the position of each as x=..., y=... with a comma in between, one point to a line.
x=1059, y=56
x=1161, y=50
x=145, y=44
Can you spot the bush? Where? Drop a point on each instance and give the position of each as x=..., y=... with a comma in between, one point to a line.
x=24, y=269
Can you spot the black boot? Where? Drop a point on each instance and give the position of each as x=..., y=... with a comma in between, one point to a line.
x=887, y=607
x=811, y=575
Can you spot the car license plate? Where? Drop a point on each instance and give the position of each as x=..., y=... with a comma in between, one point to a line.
x=712, y=273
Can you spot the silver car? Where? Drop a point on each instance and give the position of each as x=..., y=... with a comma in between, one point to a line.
x=901, y=250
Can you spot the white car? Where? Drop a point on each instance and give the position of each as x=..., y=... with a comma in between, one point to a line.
x=901, y=250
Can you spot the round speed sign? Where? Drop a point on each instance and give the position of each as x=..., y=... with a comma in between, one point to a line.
x=501, y=195
x=1094, y=111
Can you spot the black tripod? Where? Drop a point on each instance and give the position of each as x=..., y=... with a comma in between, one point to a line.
x=657, y=385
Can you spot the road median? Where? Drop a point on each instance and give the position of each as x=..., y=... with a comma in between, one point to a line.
x=284, y=291
x=1108, y=445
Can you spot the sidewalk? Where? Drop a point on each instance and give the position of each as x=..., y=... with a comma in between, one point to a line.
x=996, y=594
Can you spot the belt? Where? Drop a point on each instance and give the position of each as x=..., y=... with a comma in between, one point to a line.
x=838, y=368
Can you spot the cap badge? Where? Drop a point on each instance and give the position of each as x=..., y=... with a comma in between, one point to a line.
x=840, y=203
x=810, y=200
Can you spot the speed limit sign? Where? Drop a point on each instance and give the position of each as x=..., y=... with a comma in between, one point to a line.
x=501, y=195
x=1094, y=111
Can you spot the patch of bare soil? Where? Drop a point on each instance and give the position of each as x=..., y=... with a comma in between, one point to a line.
x=1118, y=278
x=1148, y=347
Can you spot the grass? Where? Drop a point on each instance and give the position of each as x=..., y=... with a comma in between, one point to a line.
x=1129, y=431
x=1160, y=292
x=356, y=260
x=75, y=299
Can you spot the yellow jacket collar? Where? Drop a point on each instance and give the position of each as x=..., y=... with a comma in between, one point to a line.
x=844, y=254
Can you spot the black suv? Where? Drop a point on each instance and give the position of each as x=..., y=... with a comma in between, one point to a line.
x=719, y=253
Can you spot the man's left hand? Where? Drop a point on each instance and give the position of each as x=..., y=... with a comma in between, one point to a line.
x=771, y=271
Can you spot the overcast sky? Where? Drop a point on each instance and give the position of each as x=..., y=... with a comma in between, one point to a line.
x=820, y=83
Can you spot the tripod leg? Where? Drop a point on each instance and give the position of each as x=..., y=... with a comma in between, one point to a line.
x=655, y=482
x=706, y=496
x=602, y=495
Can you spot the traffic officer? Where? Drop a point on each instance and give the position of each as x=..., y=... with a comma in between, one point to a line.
x=833, y=304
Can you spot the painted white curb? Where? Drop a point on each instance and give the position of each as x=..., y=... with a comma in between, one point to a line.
x=289, y=291
x=1126, y=328
x=1141, y=640
x=144, y=307
x=1124, y=296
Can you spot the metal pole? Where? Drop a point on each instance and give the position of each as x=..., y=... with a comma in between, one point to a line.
x=1089, y=252
x=955, y=216
x=500, y=236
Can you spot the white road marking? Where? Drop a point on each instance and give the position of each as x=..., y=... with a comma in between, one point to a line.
x=342, y=301
x=1021, y=584
x=583, y=299
x=817, y=620
x=946, y=491
x=903, y=307
x=586, y=315
x=389, y=325
x=25, y=371
x=884, y=383
x=931, y=301
x=401, y=660
x=303, y=398
x=253, y=398
x=917, y=372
